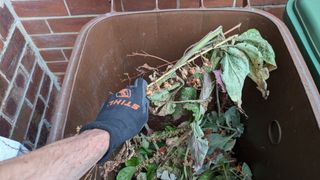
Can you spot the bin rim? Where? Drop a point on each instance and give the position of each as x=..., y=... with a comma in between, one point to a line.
x=63, y=100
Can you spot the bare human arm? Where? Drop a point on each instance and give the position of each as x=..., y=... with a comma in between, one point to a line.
x=66, y=159
x=122, y=116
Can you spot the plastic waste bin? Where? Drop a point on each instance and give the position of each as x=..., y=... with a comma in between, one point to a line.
x=303, y=20
x=282, y=137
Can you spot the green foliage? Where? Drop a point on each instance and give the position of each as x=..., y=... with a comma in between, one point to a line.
x=126, y=173
x=194, y=108
x=261, y=55
x=235, y=68
x=218, y=141
x=202, y=147
x=188, y=93
x=198, y=145
x=134, y=161
x=246, y=171
x=142, y=176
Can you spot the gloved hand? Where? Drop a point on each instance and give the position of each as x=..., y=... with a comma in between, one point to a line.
x=123, y=115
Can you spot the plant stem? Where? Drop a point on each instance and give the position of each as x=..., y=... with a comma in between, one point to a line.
x=191, y=101
x=145, y=54
x=232, y=29
x=225, y=172
x=218, y=100
x=188, y=56
x=185, y=160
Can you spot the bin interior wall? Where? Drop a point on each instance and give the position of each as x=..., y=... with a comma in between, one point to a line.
x=104, y=60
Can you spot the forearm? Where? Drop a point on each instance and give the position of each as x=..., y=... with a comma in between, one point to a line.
x=66, y=159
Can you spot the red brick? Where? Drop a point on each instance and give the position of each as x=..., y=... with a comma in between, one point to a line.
x=278, y=12
x=67, y=53
x=45, y=86
x=167, y=4
x=22, y=122
x=15, y=95
x=40, y=106
x=52, y=55
x=6, y=20
x=11, y=106
x=5, y=127
x=221, y=3
x=58, y=66
x=50, y=110
x=28, y=59
x=36, y=26
x=77, y=7
x=12, y=55
x=20, y=80
x=68, y=24
x=267, y=2
x=35, y=121
x=35, y=83
x=189, y=3
x=50, y=41
x=40, y=8
x=45, y=130
x=133, y=5
x=3, y=87
x=33, y=127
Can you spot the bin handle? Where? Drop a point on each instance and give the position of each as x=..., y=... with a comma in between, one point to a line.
x=245, y=4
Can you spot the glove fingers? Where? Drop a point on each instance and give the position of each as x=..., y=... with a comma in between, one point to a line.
x=140, y=86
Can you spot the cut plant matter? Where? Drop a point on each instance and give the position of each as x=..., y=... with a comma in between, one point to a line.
x=201, y=95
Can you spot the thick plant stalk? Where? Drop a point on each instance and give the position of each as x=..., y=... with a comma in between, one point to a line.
x=194, y=50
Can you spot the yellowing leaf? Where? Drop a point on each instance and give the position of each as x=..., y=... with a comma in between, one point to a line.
x=253, y=37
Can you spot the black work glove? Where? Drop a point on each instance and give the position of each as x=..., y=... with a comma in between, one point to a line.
x=123, y=115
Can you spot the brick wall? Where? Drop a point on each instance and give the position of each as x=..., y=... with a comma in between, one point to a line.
x=27, y=87
x=55, y=24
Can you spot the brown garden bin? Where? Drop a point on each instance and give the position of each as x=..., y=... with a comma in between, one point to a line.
x=282, y=137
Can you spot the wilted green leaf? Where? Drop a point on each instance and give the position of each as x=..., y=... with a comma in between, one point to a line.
x=198, y=146
x=258, y=72
x=235, y=68
x=218, y=141
x=219, y=178
x=145, y=144
x=229, y=145
x=259, y=76
x=162, y=101
x=215, y=58
x=188, y=93
x=253, y=54
x=151, y=171
x=246, y=171
x=126, y=173
x=253, y=37
x=208, y=175
x=232, y=118
x=134, y=161
x=166, y=175
x=145, y=151
x=167, y=109
x=142, y=176
x=205, y=92
x=178, y=112
x=194, y=108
